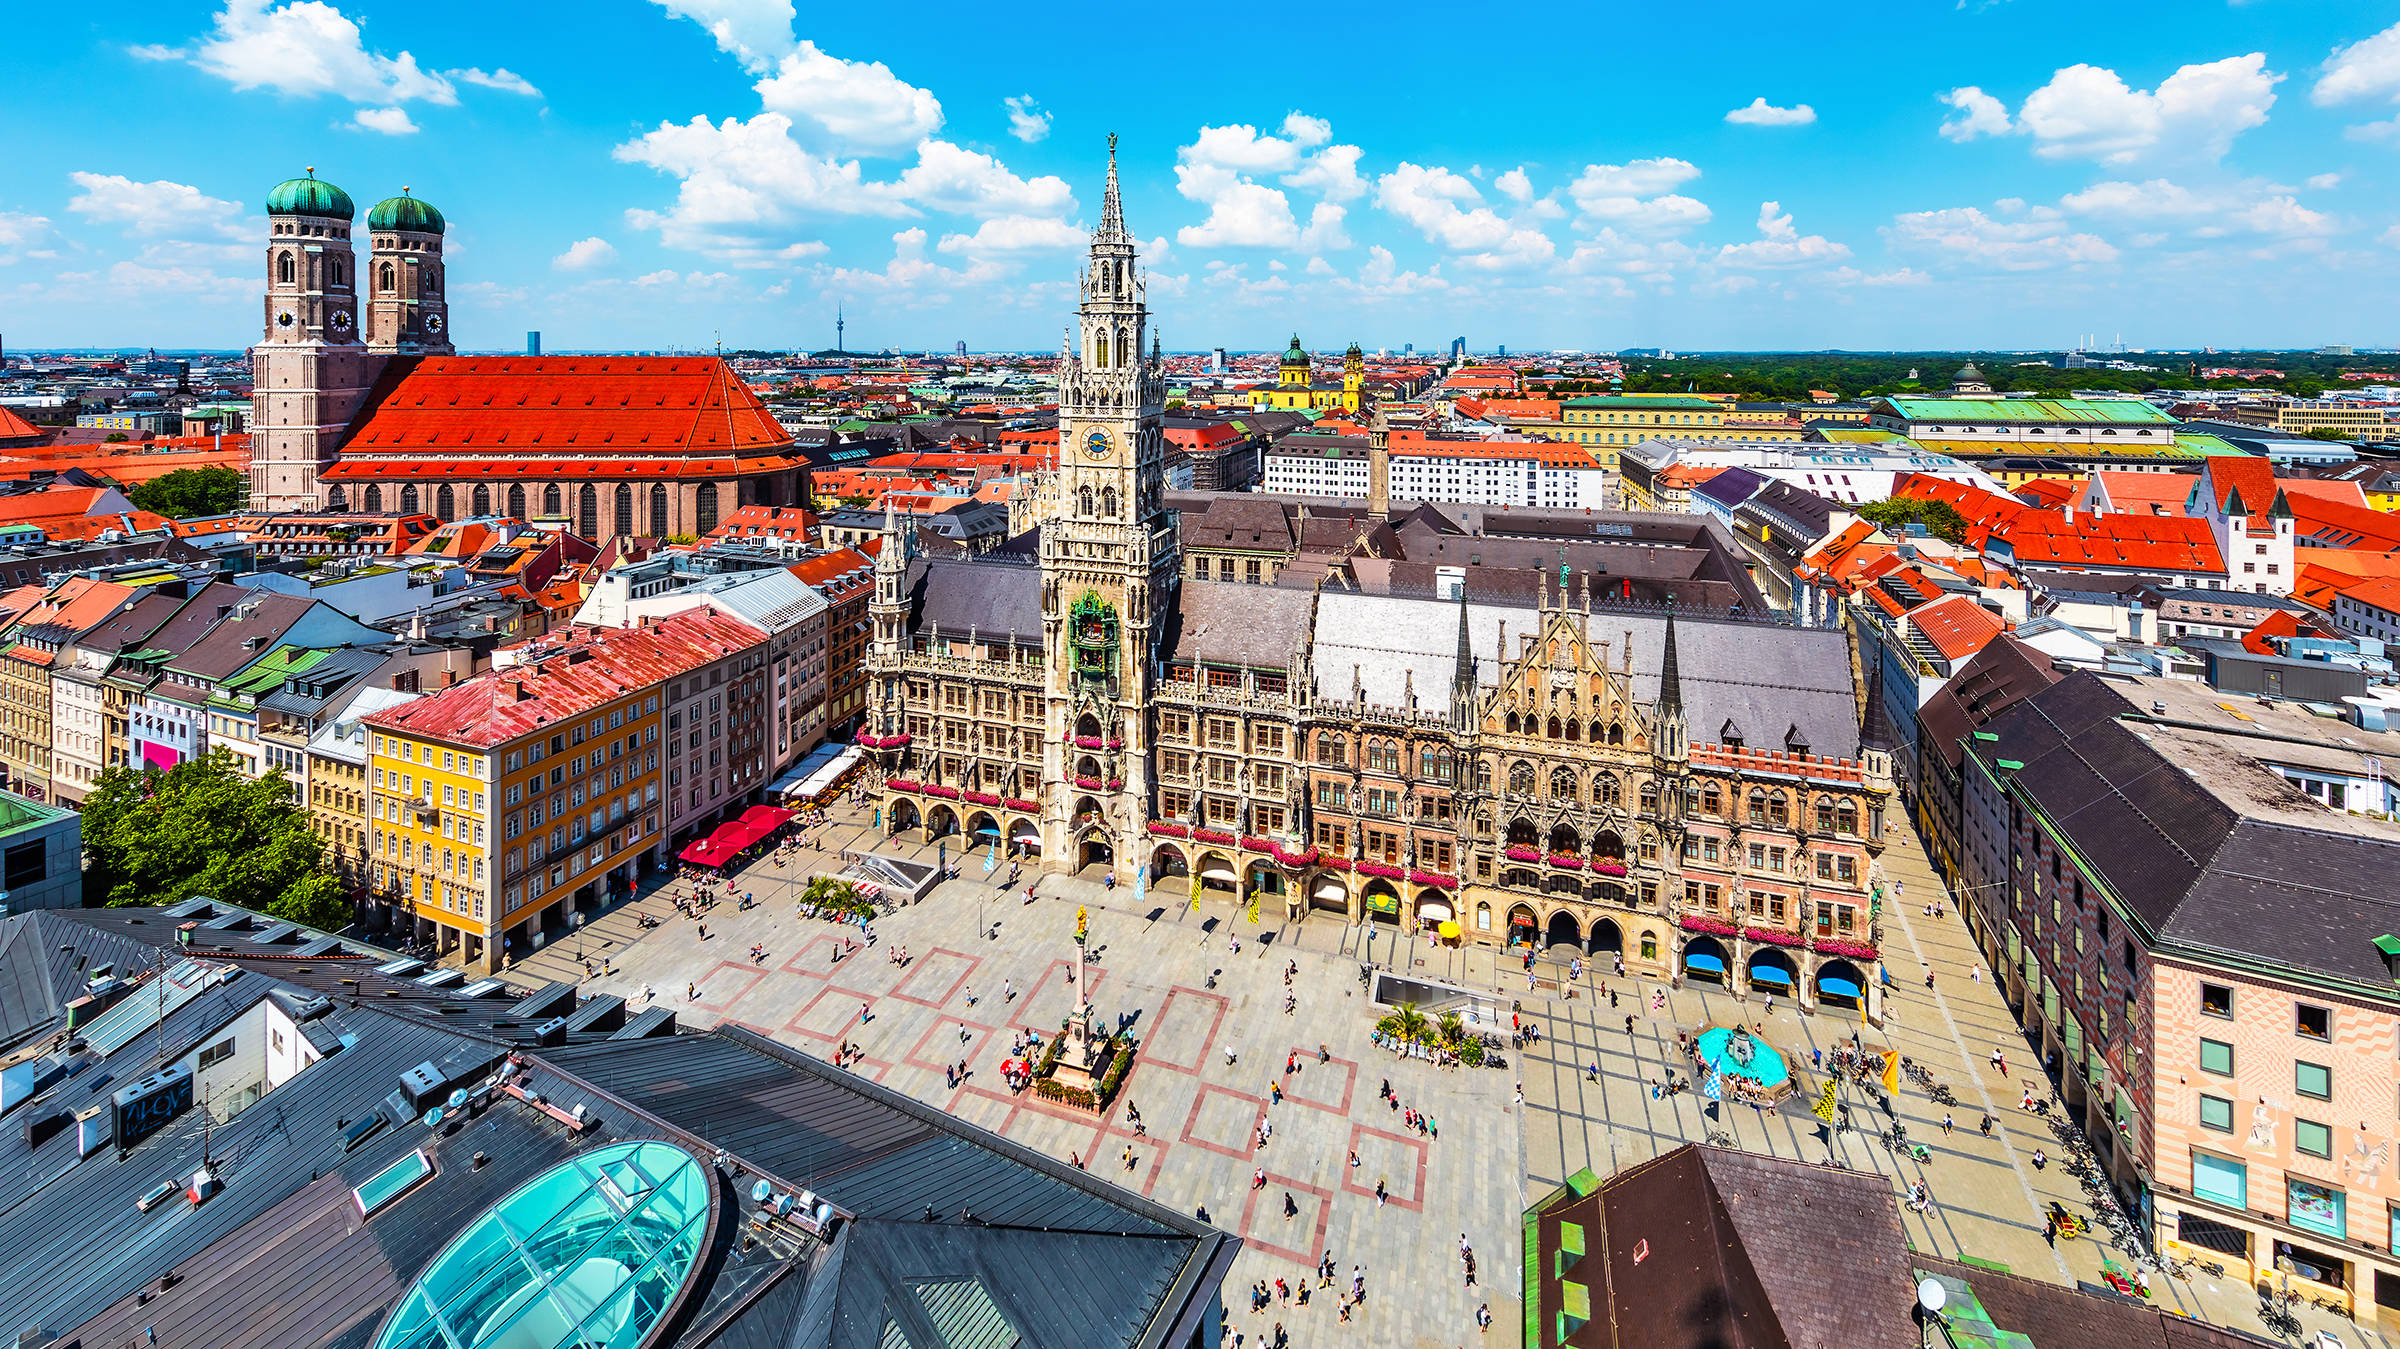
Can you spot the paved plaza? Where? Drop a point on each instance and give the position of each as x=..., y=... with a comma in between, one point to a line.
x=973, y=944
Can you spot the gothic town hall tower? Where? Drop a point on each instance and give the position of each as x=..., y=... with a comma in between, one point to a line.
x=1109, y=562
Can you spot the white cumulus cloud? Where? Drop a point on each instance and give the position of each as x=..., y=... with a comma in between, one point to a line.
x=2090, y=112
x=1014, y=234
x=1448, y=210
x=1979, y=114
x=948, y=177
x=501, y=78
x=306, y=47
x=1780, y=244
x=157, y=208
x=2366, y=69
x=1762, y=113
x=2023, y=241
x=1639, y=196
x=585, y=254
x=756, y=32
x=860, y=105
x=2241, y=208
x=1027, y=120
x=387, y=121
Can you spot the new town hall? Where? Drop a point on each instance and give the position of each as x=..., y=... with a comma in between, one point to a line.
x=1542, y=764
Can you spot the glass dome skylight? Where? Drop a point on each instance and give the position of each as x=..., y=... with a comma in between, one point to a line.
x=588, y=1254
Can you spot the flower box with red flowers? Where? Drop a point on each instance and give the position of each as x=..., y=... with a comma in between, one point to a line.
x=1168, y=829
x=1520, y=853
x=1302, y=858
x=1715, y=927
x=1212, y=836
x=1116, y=784
x=1114, y=742
x=1256, y=842
x=1383, y=869
x=946, y=793
x=1020, y=803
x=1088, y=784
x=1087, y=742
x=1608, y=868
x=1851, y=949
x=1335, y=863
x=1433, y=878
x=902, y=784
x=1566, y=859
x=1771, y=937
x=984, y=798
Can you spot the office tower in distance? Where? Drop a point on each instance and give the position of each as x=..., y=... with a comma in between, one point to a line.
x=962, y=351
x=1216, y=360
x=1458, y=349
x=533, y=342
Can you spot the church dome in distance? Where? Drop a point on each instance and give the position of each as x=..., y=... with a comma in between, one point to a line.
x=405, y=212
x=310, y=196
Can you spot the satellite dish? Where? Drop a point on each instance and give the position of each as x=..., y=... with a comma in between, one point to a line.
x=458, y=1099
x=760, y=1191
x=433, y=1117
x=1931, y=1295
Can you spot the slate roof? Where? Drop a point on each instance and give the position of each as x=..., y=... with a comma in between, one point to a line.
x=2199, y=838
x=2004, y=673
x=1224, y=623
x=957, y=596
x=1737, y=1250
x=1762, y=677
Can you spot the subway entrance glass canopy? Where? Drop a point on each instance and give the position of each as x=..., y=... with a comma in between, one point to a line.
x=588, y=1254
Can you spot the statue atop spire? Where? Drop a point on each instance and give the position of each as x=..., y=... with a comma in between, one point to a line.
x=1112, y=211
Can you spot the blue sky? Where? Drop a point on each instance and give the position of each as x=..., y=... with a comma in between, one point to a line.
x=1892, y=173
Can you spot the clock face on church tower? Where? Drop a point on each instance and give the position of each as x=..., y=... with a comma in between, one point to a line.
x=1096, y=444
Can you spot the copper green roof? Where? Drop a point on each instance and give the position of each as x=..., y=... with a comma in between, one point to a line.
x=1968, y=411
x=405, y=212
x=310, y=196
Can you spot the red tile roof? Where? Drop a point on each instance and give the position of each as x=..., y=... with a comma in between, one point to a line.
x=562, y=416
x=565, y=676
x=1956, y=625
x=14, y=427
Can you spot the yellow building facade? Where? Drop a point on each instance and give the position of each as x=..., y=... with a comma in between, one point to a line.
x=1297, y=389
x=1607, y=422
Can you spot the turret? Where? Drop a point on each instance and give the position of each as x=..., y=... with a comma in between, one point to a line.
x=1463, y=712
x=1379, y=468
x=407, y=306
x=1668, y=738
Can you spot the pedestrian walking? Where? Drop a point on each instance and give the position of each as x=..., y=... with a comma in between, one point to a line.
x=1291, y=1207
x=1129, y=1156
x=1229, y=1055
x=1945, y=1124
x=1381, y=1194
x=1999, y=1063
x=1483, y=1318
x=1008, y=990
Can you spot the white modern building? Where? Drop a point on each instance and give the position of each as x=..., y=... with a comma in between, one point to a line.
x=1480, y=472
x=1847, y=473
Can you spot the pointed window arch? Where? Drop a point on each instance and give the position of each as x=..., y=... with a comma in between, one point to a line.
x=384, y=279
x=658, y=510
x=550, y=500
x=624, y=509
x=1108, y=502
x=1083, y=499
x=445, y=503
x=285, y=272
x=587, y=512
x=516, y=500
x=374, y=504
x=706, y=508
x=481, y=501
x=1100, y=352
x=408, y=499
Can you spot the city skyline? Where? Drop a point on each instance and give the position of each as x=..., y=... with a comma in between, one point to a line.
x=2227, y=189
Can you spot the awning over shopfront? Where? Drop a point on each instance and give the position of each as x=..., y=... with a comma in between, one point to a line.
x=1768, y=974
x=1702, y=960
x=1840, y=988
x=1383, y=903
x=1434, y=911
x=764, y=820
x=817, y=774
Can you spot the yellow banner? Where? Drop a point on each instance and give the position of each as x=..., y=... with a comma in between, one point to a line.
x=1891, y=1071
x=1824, y=1107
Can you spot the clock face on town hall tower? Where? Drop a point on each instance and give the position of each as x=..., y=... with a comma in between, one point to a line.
x=1096, y=443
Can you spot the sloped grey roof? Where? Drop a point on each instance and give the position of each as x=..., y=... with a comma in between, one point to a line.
x=990, y=599
x=1228, y=624
x=1762, y=677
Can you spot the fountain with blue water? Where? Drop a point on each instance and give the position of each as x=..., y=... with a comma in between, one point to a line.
x=1741, y=1056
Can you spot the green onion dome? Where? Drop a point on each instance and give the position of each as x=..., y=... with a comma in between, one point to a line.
x=310, y=196
x=405, y=212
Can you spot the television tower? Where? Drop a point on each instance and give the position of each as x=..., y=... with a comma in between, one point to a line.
x=837, y=327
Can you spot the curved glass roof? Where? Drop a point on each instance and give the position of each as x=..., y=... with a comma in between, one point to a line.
x=588, y=1254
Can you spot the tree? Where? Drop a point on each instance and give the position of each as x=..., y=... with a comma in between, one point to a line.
x=2327, y=433
x=191, y=491
x=1896, y=514
x=200, y=828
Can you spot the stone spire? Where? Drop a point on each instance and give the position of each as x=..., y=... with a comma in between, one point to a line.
x=1670, y=678
x=1112, y=212
x=1379, y=468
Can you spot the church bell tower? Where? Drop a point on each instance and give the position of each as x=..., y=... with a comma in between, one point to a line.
x=309, y=373
x=1109, y=558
